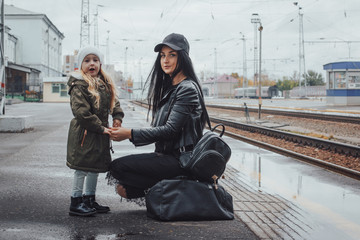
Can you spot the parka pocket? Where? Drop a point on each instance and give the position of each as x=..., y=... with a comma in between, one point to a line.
x=83, y=139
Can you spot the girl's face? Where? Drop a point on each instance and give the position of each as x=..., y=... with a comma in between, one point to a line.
x=168, y=59
x=91, y=65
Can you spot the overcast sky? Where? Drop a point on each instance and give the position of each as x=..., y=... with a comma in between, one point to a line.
x=331, y=31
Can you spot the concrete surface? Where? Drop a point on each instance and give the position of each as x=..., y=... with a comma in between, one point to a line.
x=16, y=123
x=35, y=187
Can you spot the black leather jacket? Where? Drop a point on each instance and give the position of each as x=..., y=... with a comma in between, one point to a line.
x=181, y=127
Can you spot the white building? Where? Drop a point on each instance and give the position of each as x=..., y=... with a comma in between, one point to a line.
x=39, y=42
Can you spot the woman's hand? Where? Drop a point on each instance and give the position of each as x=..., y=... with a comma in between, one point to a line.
x=119, y=134
x=116, y=123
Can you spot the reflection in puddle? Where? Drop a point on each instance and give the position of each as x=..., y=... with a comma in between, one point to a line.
x=331, y=200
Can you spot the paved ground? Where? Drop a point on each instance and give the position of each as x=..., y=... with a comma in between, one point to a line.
x=35, y=189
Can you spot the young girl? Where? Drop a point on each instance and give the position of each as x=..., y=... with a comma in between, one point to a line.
x=92, y=98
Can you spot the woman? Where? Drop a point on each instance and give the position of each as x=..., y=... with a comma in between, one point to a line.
x=177, y=121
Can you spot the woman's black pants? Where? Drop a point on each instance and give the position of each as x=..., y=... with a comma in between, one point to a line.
x=140, y=172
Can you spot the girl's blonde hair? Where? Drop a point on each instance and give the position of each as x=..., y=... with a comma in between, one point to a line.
x=94, y=85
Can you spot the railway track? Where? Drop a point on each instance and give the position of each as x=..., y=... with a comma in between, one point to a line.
x=309, y=115
x=296, y=138
x=335, y=147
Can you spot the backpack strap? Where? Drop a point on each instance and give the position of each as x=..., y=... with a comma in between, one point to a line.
x=203, y=106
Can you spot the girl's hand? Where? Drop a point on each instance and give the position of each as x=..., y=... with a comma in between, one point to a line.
x=107, y=131
x=116, y=123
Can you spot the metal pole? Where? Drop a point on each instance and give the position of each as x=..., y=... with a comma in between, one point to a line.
x=125, y=73
x=260, y=100
x=303, y=52
x=2, y=67
x=215, y=87
x=108, y=48
x=244, y=84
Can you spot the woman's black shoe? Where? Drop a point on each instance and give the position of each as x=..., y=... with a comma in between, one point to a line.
x=78, y=208
x=91, y=203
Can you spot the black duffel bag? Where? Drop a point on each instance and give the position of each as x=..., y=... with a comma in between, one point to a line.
x=185, y=199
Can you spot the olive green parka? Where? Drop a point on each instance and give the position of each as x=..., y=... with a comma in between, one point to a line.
x=88, y=149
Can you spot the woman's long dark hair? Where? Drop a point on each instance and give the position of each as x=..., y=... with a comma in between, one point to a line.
x=159, y=82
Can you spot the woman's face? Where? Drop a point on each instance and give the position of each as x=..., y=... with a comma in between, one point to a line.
x=91, y=65
x=168, y=59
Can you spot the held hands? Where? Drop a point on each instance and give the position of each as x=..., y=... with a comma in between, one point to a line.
x=120, y=133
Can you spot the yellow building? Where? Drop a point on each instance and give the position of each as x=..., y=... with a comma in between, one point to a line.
x=55, y=89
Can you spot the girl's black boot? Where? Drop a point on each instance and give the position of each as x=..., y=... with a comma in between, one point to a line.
x=79, y=208
x=91, y=203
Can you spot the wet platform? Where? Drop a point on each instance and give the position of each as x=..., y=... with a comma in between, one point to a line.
x=278, y=197
x=274, y=196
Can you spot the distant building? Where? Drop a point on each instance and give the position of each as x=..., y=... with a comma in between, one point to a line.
x=70, y=64
x=18, y=77
x=223, y=86
x=55, y=89
x=342, y=83
x=37, y=45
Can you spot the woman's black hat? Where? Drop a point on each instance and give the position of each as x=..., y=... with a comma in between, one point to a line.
x=175, y=41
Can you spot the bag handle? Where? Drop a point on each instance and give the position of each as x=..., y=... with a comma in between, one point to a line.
x=222, y=131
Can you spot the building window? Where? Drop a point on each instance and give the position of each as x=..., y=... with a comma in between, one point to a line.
x=340, y=80
x=63, y=92
x=55, y=88
x=331, y=80
x=354, y=80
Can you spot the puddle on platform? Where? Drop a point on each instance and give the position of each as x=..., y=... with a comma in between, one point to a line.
x=332, y=200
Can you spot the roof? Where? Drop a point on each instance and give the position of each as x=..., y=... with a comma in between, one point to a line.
x=55, y=79
x=22, y=68
x=342, y=65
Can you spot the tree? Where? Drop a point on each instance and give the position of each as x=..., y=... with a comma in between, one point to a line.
x=286, y=84
x=314, y=79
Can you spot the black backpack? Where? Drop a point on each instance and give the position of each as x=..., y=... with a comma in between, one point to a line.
x=207, y=161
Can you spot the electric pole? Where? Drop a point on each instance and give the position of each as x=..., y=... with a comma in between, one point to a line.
x=108, y=47
x=255, y=20
x=85, y=24
x=96, y=27
x=244, y=83
x=302, y=71
x=2, y=61
x=215, y=74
